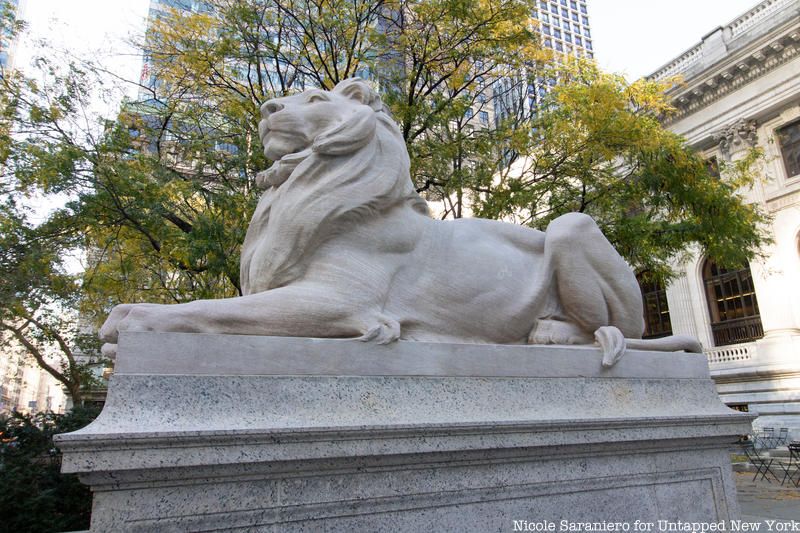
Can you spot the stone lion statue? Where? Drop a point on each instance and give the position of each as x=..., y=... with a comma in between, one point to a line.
x=341, y=245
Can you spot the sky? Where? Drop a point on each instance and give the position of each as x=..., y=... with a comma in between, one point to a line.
x=99, y=29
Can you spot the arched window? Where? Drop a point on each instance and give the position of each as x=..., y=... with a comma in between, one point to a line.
x=732, y=304
x=656, y=311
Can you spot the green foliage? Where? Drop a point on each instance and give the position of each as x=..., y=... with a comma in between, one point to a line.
x=38, y=298
x=597, y=146
x=445, y=64
x=432, y=60
x=36, y=497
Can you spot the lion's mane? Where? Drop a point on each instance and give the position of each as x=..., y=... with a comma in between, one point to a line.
x=354, y=173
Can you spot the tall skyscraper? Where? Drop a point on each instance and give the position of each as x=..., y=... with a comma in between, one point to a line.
x=158, y=9
x=564, y=26
x=7, y=41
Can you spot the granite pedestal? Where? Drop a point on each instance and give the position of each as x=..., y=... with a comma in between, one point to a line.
x=206, y=432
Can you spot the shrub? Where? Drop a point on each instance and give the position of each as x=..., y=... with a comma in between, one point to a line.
x=36, y=497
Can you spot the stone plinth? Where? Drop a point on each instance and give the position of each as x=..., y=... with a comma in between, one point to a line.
x=214, y=432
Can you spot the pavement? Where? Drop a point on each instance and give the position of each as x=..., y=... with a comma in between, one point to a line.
x=761, y=500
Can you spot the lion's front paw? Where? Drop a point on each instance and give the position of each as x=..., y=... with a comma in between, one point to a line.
x=387, y=330
x=109, y=333
x=123, y=317
x=109, y=350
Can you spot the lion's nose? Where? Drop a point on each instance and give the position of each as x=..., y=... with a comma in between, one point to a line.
x=270, y=107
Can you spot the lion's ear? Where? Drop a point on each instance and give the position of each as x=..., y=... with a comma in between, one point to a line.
x=360, y=91
x=356, y=131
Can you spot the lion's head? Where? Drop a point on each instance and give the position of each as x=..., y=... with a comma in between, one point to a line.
x=339, y=157
x=332, y=122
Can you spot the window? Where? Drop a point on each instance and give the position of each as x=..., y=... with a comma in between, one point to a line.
x=578, y=41
x=565, y=24
x=545, y=17
x=656, y=310
x=543, y=5
x=546, y=30
x=732, y=304
x=178, y=4
x=588, y=44
x=554, y=9
x=568, y=37
x=557, y=34
x=585, y=20
x=468, y=113
x=559, y=47
x=586, y=32
x=583, y=9
x=548, y=43
x=483, y=116
x=741, y=407
x=226, y=147
x=564, y=12
x=575, y=17
x=789, y=140
x=556, y=22
x=573, y=4
x=563, y=2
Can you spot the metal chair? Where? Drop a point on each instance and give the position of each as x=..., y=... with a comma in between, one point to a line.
x=792, y=468
x=763, y=464
x=768, y=439
x=767, y=436
x=782, y=438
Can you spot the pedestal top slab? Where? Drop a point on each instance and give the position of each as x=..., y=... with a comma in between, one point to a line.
x=198, y=354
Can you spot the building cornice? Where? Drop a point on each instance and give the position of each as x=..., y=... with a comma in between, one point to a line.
x=734, y=73
x=734, y=55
